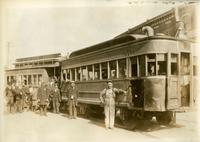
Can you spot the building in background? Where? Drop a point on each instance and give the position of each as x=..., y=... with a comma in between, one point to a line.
x=180, y=22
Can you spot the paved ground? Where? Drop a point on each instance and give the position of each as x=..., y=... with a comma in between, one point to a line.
x=30, y=127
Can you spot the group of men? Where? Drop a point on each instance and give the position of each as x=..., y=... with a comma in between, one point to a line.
x=21, y=97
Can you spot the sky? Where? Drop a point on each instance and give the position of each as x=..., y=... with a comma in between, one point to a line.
x=33, y=29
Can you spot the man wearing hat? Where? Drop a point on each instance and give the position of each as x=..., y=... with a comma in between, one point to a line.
x=56, y=98
x=72, y=92
x=107, y=97
x=9, y=98
x=43, y=97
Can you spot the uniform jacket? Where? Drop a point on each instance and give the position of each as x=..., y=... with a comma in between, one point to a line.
x=55, y=94
x=72, y=93
x=43, y=95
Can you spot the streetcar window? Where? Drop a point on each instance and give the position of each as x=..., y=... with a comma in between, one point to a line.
x=64, y=74
x=34, y=79
x=78, y=73
x=29, y=80
x=96, y=72
x=68, y=74
x=142, y=65
x=122, y=68
x=151, y=64
x=84, y=73
x=8, y=79
x=73, y=74
x=162, y=64
x=104, y=70
x=90, y=72
x=134, y=66
x=113, y=69
x=185, y=63
x=174, y=61
x=39, y=78
x=194, y=65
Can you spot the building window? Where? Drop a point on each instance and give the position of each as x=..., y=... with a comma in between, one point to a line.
x=90, y=72
x=151, y=64
x=162, y=64
x=104, y=70
x=174, y=61
x=113, y=69
x=142, y=65
x=122, y=68
x=96, y=72
x=84, y=73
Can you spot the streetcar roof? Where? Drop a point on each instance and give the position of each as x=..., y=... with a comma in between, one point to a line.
x=108, y=43
x=120, y=40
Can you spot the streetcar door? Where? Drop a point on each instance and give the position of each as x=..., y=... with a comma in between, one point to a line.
x=185, y=79
x=173, y=93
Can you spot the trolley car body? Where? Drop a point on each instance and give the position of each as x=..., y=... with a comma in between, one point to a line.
x=159, y=70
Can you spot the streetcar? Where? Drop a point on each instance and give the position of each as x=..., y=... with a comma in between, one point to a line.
x=157, y=71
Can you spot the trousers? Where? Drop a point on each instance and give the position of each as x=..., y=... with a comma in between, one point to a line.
x=56, y=106
x=72, y=108
x=109, y=110
x=43, y=109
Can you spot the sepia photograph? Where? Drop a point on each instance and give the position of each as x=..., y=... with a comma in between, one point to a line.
x=99, y=71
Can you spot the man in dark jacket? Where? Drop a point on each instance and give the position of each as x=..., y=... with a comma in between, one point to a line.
x=72, y=92
x=9, y=99
x=43, y=96
x=56, y=98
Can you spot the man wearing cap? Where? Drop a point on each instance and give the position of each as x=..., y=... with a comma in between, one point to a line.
x=107, y=97
x=43, y=97
x=9, y=98
x=56, y=98
x=72, y=92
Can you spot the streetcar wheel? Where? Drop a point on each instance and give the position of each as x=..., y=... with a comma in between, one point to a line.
x=166, y=118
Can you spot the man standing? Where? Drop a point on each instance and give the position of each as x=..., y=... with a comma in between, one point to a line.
x=72, y=92
x=9, y=98
x=107, y=97
x=43, y=96
x=56, y=98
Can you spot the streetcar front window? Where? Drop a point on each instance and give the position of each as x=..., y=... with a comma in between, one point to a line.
x=185, y=63
x=113, y=69
x=162, y=64
x=104, y=70
x=90, y=73
x=122, y=68
x=142, y=65
x=174, y=61
x=35, y=79
x=96, y=71
x=134, y=68
x=151, y=64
